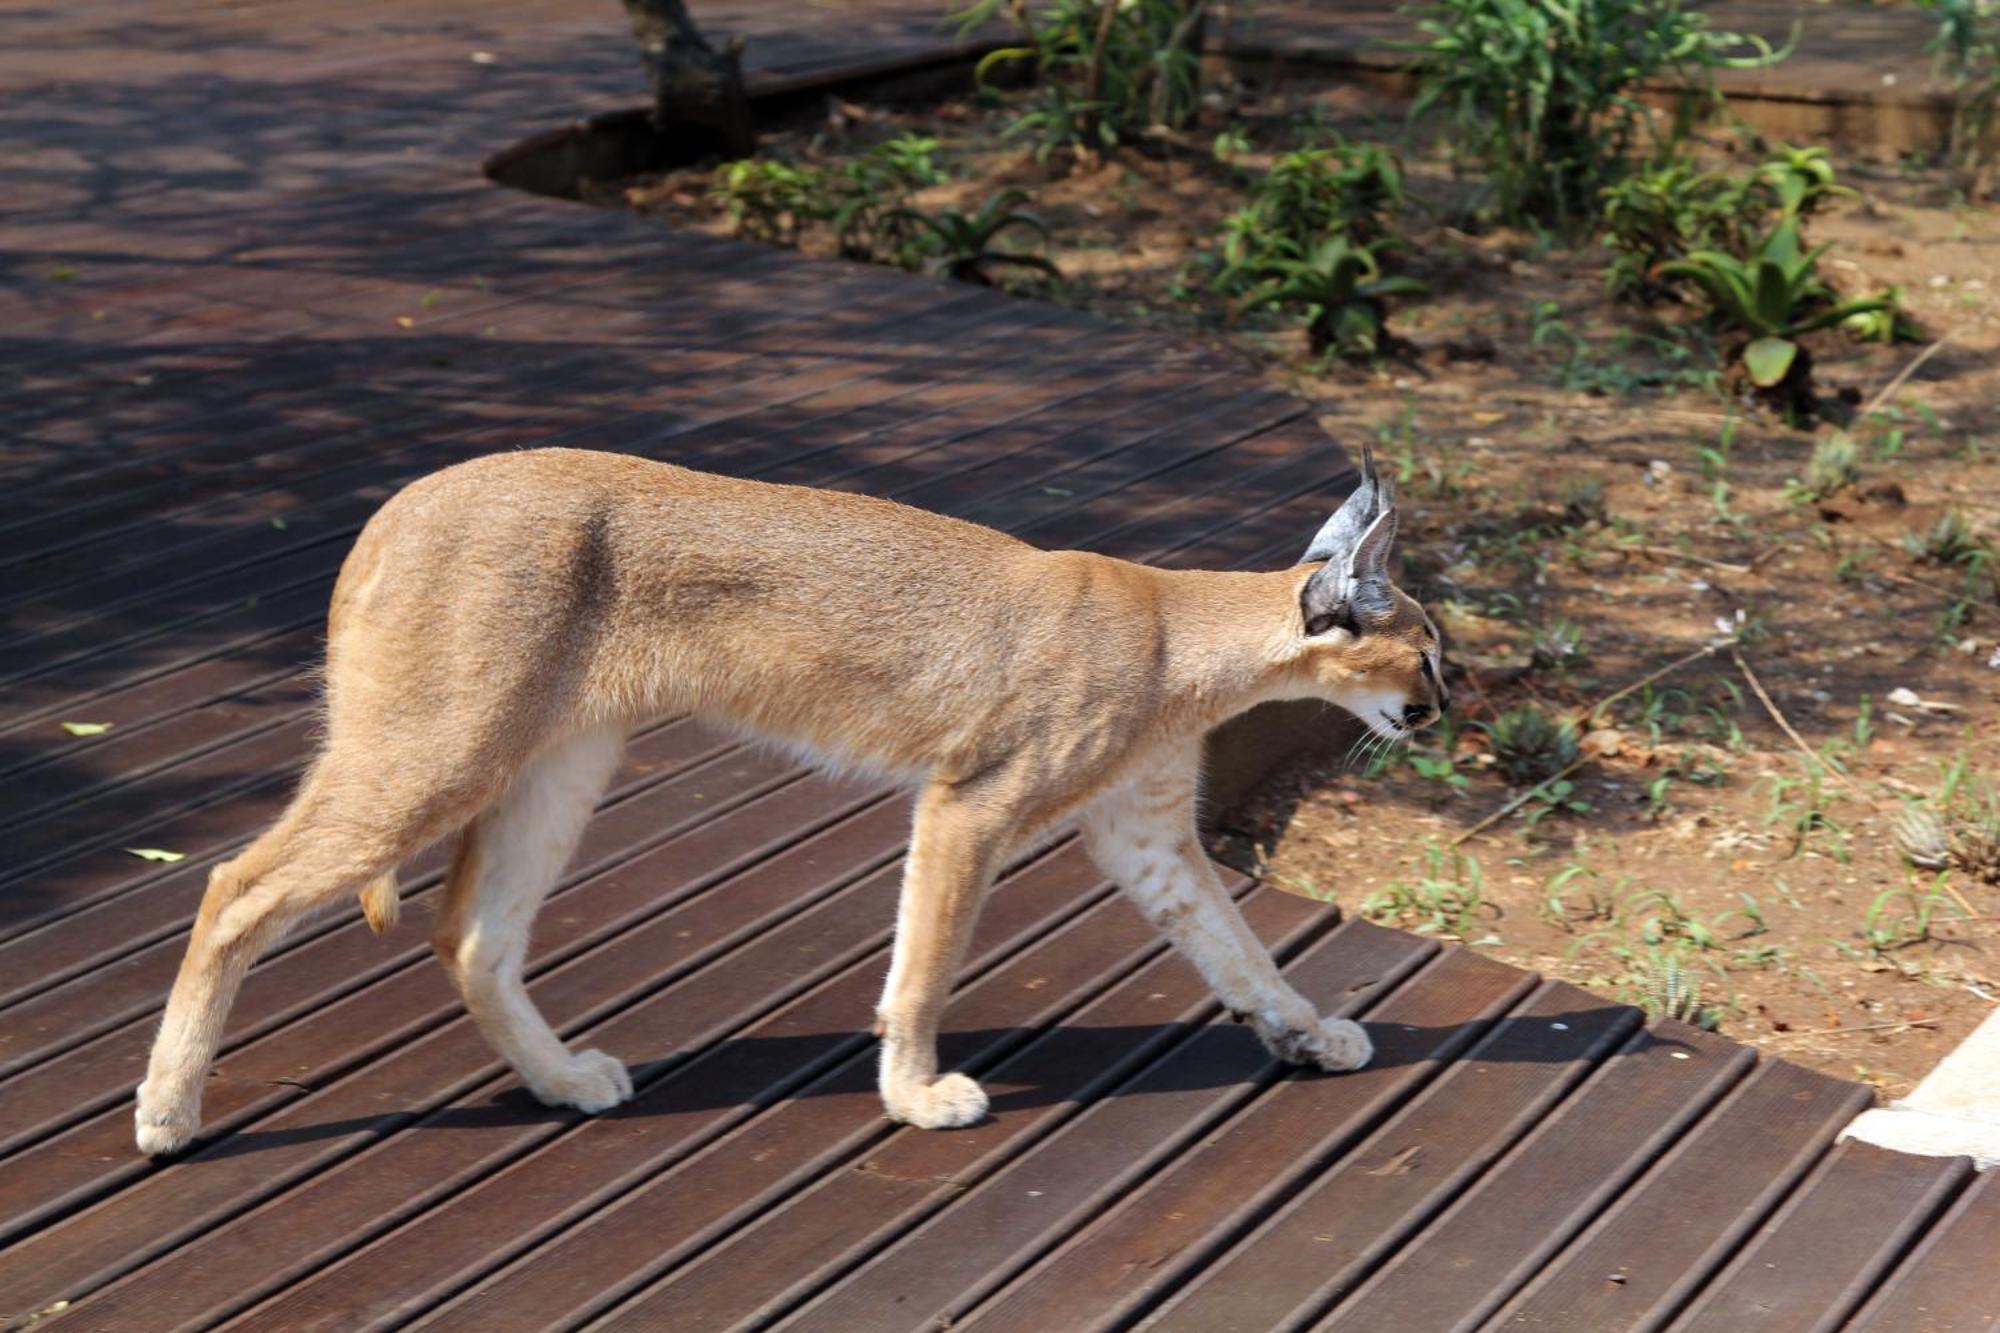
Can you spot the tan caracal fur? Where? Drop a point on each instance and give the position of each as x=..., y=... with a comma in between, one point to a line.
x=501, y=625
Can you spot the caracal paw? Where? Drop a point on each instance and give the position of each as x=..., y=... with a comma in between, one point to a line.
x=162, y=1129
x=952, y=1101
x=1333, y=1044
x=591, y=1082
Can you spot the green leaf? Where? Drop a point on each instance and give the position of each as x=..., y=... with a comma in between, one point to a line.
x=156, y=854
x=1828, y=318
x=86, y=728
x=1395, y=285
x=1769, y=360
x=1774, y=298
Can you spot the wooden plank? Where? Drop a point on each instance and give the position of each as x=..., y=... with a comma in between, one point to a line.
x=30, y=638
x=672, y=1198
x=950, y=1262
x=48, y=946
x=88, y=1084
x=1636, y=1265
x=685, y=975
x=1330, y=1235
x=75, y=768
x=204, y=614
x=841, y=936
x=320, y=503
x=1462, y=1267
x=785, y=1246
x=1947, y=1284
x=1207, y=1197
x=1824, y=1251
x=128, y=986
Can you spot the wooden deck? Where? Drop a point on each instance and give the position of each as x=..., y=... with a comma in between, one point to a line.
x=252, y=284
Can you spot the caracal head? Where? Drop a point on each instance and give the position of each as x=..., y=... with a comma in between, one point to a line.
x=1361, y=641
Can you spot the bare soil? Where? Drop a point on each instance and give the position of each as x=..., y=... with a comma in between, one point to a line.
x=1577, y=523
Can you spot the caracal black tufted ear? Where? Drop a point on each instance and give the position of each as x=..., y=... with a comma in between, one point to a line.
x=1355, y=544
x=1340, y=534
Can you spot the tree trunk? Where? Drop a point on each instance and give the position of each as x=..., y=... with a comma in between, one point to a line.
x=698, y=95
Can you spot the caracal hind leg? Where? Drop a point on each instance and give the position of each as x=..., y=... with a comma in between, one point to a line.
x=508, y=858
x=955, y=851
x=1143, y=836
x=333, y=839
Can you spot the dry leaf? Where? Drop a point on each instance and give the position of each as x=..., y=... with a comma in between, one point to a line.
x=156, y=854
x=86, y=728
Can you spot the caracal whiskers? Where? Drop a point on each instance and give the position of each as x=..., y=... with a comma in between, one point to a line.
x=500, y=625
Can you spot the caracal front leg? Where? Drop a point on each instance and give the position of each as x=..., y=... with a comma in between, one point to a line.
x=955, y=849
x=1143, y=836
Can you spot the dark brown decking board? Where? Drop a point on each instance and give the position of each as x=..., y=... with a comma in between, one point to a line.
x=1348, y=1219
x=1637, y=1265
x=671, y=1211
x=1175, y=1221
x=1497, y=1235
x=844, y=936
x=288, y=297
x=1946, y=1285
x=1818, y=1258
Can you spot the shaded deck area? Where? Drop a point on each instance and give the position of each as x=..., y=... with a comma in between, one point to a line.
x=250, y=284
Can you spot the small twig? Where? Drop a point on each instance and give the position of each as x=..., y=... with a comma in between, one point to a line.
x=1682, y=414
x=1517, y=802
x=1640, y=684
x=1865, y=1027
x=1910, y=579
x=1669, y=553
x=1903, y=376
x=1812, y=757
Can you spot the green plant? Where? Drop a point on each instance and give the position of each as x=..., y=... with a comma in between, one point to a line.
x=1967, y=48
x=1530, y=745
x=1886, y=323
x=1344, y=292
x=1775, y=295
x=1669, y=991
x=1960, y=830
x=1555, y=905
x=1553, y=798
x=1446, y=899
x=869, y=212
x=1802, y=181
x=1951, y=541
x=1441, y=768
x=1800, y=805
x=863, y=202
x=1308, y=197
x=1662, y=213
x=967, y=246
x=1106, y=69
x=1557, y=644
x=1542, y=95
x=1627, y=362
x=768, y=200
x=1583, y=502
x=1899, y=917
x=1835, y=465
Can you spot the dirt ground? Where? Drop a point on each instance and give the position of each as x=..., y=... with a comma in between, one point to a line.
x=1579, y=515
